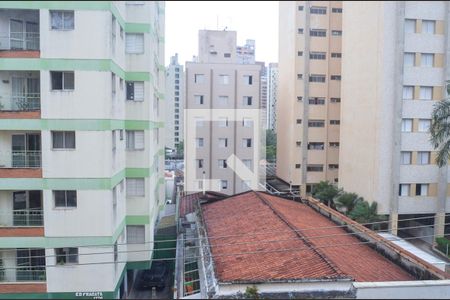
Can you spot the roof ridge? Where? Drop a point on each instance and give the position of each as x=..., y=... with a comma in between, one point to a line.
x=298, y=232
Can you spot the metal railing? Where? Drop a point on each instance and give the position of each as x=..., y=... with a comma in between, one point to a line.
x=20, y=102
x=19, y=41
x=22, y=218
x=28, y=273
x=21, y=159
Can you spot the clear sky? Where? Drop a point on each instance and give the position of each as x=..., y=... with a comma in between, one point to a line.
x=256, y=20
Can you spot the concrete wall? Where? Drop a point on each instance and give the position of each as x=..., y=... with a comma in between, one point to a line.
x=431, y=289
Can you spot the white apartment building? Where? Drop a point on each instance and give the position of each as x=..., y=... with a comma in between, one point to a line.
x=246, y=54
x=80, y=145
x=222, y=118
x=272, y=92
x=174, y=103
x=395, y=66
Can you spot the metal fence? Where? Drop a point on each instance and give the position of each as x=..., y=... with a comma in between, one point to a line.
x=19, y=41
x=20, y=102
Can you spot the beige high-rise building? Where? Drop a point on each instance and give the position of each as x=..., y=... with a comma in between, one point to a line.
x=395, y=67
x=308, y=106
x=222, y=117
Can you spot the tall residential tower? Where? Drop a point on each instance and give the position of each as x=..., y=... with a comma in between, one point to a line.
x=174, y=103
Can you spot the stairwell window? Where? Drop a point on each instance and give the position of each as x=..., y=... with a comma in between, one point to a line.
x=65, y=199
x=63, y=139
x=62, y=81
x=135, y=91
x=62, y=19
x=135, y=187
x=135, y=140
x=66, y=255
x=134, y=43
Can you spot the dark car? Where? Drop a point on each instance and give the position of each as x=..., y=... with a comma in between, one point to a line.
x=154, y=277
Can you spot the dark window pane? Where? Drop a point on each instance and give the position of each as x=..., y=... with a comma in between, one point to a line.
x=60, y=198
x=71, y=198
x=56, y=80
x=69, y=139
x=69, y=80
x=58, y=139
x=130, y=90
x=73, y=255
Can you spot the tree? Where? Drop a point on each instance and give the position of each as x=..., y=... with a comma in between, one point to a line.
x=271, y=145
x=326, y=192
x=440, y=130
x=251, y=292
x=363, y=212
x=180, y=149
x=346, y=202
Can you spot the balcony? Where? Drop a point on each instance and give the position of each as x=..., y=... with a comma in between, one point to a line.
x=22, y=266
x=19, y=33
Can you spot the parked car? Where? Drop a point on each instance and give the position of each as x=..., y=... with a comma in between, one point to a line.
x=154, y=277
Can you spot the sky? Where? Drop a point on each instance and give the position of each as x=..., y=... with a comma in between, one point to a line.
x=257, y=20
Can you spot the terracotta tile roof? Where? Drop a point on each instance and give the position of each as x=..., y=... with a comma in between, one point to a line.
x=282, y=221
x=188, y=202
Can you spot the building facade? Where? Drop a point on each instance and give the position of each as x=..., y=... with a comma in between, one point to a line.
x=272, y=95
x=401, y=72
x=80, y=145
x=222, y=118
x=246, y=54
x=174, y=103
x=308, y=107
x=263, y=93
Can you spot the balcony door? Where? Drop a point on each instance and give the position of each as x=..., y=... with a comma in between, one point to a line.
x=30, y=264
x=25, y=93
x=27, y=208
x=23, y=35
x=26, y=150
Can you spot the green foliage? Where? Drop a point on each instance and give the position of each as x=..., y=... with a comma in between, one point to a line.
x=363, y=212
x=180, y=149
x=325, y=191
x=440, y=131
x=346, y=202
x=271, y=145
x=443, y=245
x=251, y=292
x=2, y=270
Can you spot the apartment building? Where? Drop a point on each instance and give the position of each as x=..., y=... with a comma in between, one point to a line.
x=246, y=54
x=272, y=95
x=308, y=110
x=222, y=119
x=174, y=103
x=401, y=71
x=263, y=81
x=80, y=145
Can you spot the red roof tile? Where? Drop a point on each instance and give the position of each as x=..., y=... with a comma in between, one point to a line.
x=239, y=217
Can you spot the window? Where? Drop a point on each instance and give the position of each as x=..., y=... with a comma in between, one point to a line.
x=224, y=79
x=222, y=163
x=336, y=32
x=135, y=187
x=134, y=43
x=428, y=26
x=316, y=123
x=318, y=32
x=223, y=100
x=335, y=122
x=62, y=20
x=198, y=99
x=408, y=92
x=299, y=121
x=224, y=184
x=407, y=125
x=408, y=59
x=333, y=166
x=248, y=79
x=300, y=30
x=247, y=100
x=299, y=76
x=404, y=189
x=410, y=26
x=113, y=33
x=227, y=55
x=315, y=146
x=423, y=158
x=246, y=143
x=199, y=163
x=121, y=134
x=406, y=157
x=223, y=142
x=62, y=80
x=317, y=101
x=298, y=166
x=426, y=92
x=135, y=140
x=336, y=10
x=424, y=125
x=334, y=144
x=199, y=78
x=298, y=143
x=247, y=122
x=335, y=100
x=66, y=256
x=299, y=98
x=300, y=8
x=336, y=55
x=121, y=32
x=113, y=85
x=223, y=122
x=318, y=10
x=427, y=60
x=65, y=198
x=335, y=77
x=316, y=78
x=317, y=55
x=199, y=142
x=135, y=234
x=63, y=139
x=299, y=53
x=314, y=168
x=247, y=163
x=421, y=189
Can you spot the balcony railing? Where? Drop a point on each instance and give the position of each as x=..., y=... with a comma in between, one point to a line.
x=20, y=102
x=27, y=273
x=19, y=41
x=21, y=159
x=22, y=218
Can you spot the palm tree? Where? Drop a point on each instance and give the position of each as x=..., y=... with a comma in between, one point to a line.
x=440, y=131
x=346, y=202
x=326, y=192
x=363, y=212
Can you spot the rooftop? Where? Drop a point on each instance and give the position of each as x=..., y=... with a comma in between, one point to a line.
x=289, y=248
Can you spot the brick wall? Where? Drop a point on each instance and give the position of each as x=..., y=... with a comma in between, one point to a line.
x=21, y=231
x=21, y=173
x=23, y=288
x=20, y=114
x=20, y=54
